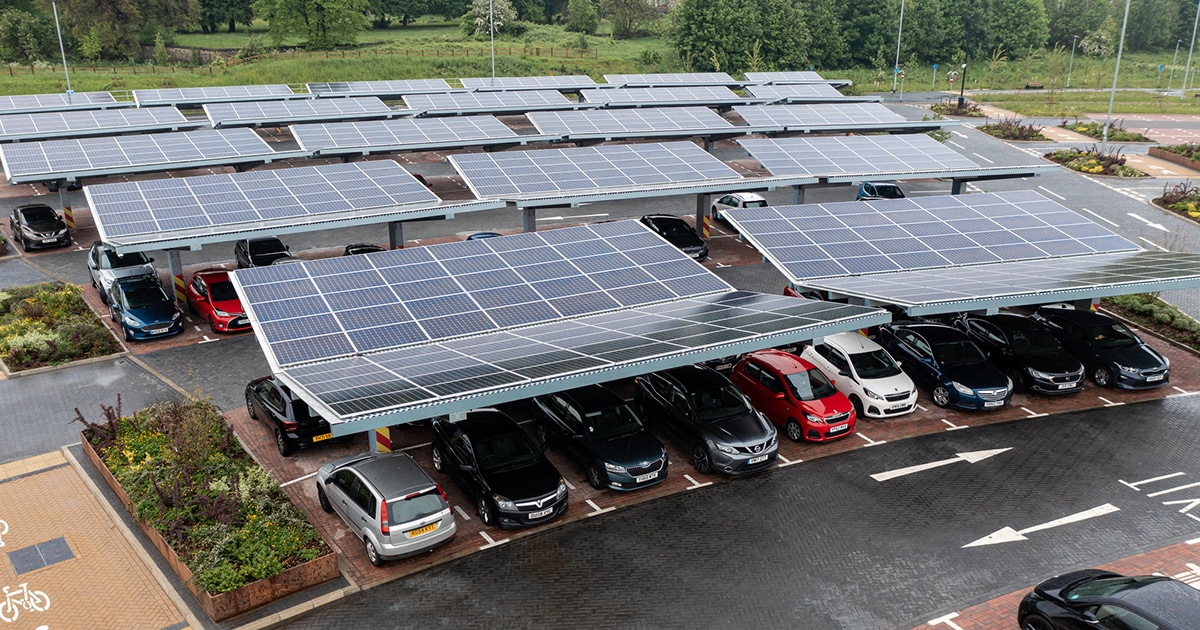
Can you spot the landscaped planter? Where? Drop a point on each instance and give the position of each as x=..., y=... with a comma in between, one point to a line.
x=240, y=600
x=1182, y=160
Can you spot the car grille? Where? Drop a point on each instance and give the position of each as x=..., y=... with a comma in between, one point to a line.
x=992, y=394
x=1067, y=378
x=533, y=506
x=1153, y=371
x=838, y=418
x=756, y=449
x=638, y=471
x=897, y=397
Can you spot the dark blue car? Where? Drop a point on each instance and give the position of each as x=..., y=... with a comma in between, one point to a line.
x=946, y=361
x=143, y=309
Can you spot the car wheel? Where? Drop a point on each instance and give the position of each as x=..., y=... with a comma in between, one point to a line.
x=250, y=407
x=858, y=406
x=438, y=464
x=941, y=396
x=1037, y=622
x=212, y=323
x=543, y=435
x=128, y=334
x=701, y=459
x=795, y=432
x=323, y=500
x=1102, y=376
x=373, y=554
x=285, y=447
x=191, y=307
x=103, y=295
x=485, y=511
x=1018, y=380
x=596, y=477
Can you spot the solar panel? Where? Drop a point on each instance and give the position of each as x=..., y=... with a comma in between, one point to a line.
x=218, y=94
x=402, y=134
x=524, y=173
x=833, y=115
x=628, y=122
x=852, y=238
x=795, y=76
x=27, y=103
x=98, y=122
x=487, y=102
x=212, y=203
x=855, y=155
x=797, y=93
x=381, y=89
x=568, y=82
x=268, y=112
x=335, y=307
x=697, y=95
x=89, y=157
x=652, y=80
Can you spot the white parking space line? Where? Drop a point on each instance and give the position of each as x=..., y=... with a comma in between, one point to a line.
x=1052, y=193
x=597, y=509
x=1033, y=414
x=1194, y=541
x=956, y=144
x=788, y=462
x=1194, y=517
x=923, y=409
x=984, y=159
x=188, y=319
x=569, y=484
x=462, y=513
x=1112, y=223
x=870, y=442
x=409, y=448
x=197, y=328
x=1175, y=489
x=1136, y=485
x=959, y=134
x=1153, y=244
x=490, y=542
x=1109, y=403
x=573, y=217
x=288, y=483
x=207, y=340
x=946, y=620
x=695, y=484
x=955, y=427
x=1179, y=389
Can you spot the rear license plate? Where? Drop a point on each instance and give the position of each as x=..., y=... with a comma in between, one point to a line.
x=646, y=477
x=422, y=530
x=322, y=437
x=1156, y=377
x=839, y=428
x=541, y=514
x=695, y=255
x=993, y=403
x=757, y=460
x=159, y=331
x=49, y=240
x=1066, y=385
x=724, y=366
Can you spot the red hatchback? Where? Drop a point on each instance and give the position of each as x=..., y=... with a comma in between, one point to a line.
x=211, y=296
x=794, y=395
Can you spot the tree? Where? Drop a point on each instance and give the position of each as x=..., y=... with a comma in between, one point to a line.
x=628, y=17
x=715, y=35
x=382, y=11
x=489, y=14
x=830, y=49
x=1017, y=26
x=322, y=24
x=214, y=13
x=113, y=25
x=784, y=36
x=26, y=36
x=870, y=26
x=1068, y=18
x=1147, y=30
x=582, y=17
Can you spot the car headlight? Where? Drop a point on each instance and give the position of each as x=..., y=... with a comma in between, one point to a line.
x=1166, y=360
x=871, y=394
x=613, y=468
x=177, y=316
x=25, y=229
x=562, y=489
x=773, y=440
x=219, y=313
x=129, y=321
x=503, y=503
x=1036, y=374
x=814, y=418
x=62, y=232
x=1008, y=384
x=963, y=389
x=726, y=449
x=1127, y=370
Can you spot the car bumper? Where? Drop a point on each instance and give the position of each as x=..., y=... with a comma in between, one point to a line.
x=979, y=404
x=446, y=531
x=822, y=432
x=1053, y=388
x=154, y=331
x=626, y=481
x=890, y=409
x=514, y=519
x=740, y=463
x=232, y=324
x=308, y=436
x=41, y=243
x=1124, y=380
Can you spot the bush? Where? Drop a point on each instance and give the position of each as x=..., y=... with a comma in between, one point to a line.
x=1116, y=132
x=1093, y=162
x=949, y=107
x=1013, y=129
x=1183, y=198
x=1151, y=313
x=582, y=17
x=49, y=324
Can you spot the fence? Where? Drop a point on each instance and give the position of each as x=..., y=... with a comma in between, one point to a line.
x=134, y=69
x=536, y=51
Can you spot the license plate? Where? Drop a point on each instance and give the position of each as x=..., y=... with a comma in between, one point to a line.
x=49, y=240
x=724, y=366
x=757, y=460
x=322, y=437
x=541, y=514
x=1156, y=377
x=646, y=477
x=839, y=428
x=159, y=331
x=895, y=407
x=1066, y=385
x=422, y=530
x=993, y=403
x=695, y=255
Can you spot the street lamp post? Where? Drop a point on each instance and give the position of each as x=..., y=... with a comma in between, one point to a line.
x=1112, y=95
x=899, y=33
x=492, y=29
x=1188, y=67
x=1071, y=65
x=961, y=86
x=1173, y=58
x=61, y=50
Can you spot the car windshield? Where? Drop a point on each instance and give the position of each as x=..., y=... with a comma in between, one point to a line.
x=268, y=246
x=506, y=451
x=963, y=352
x=810, y=385
x=719, y=403
x=222, y=291
x=110, y=260
x=874, y=364
x=1106, y=587
x=40, y=214
x=143, y=296
x=1114, y=335
x=888, y=191
x=671, y=228
x=1027, y=341
x=761, y=203
x=403, y=511
x=611, y=423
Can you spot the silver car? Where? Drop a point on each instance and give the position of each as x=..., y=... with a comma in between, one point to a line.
x=105, y=265
x=389, y=502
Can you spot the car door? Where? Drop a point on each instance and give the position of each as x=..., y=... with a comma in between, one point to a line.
x=574, y=433
x=201, y=303
x=843, y=377
x=340, y=490
x=654, y=398
x=1076, y=340
x=463, y=455
x=765, y=387
x=922, y=366
x=990, y=339
x=274, y=405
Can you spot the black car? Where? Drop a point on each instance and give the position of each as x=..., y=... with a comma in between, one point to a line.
x=598, y=430
x=361, y=248
x=1030, y=356
x=259, y=252
x=496, y=463
x=289, y=418
x=37, y=226
x=1110, y=601
x=707, y=415
x=946, y=361
x=1113, y=355
x=678, y=233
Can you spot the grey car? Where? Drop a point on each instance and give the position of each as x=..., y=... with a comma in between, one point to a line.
x=388, y=502
x=105, y=265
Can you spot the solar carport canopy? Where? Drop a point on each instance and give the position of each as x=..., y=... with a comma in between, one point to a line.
x=624, y=123
x=95, y=122
x=664, y=96
x=254, y=113
x=403, y=335
x=683, y=78
x=802, y=93
x=831, y=117
x=792, y=77
x=406, y=134
x=558, y=82
x=27, y=103
x=382, y=89
x=457, y=103
x=218, y=94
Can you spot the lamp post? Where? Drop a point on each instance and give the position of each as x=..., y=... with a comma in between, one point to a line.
x=961, y=86
x=1173, y=58
x=1112, y=95
x=899, y=33
x=492, y=30
x=61, y=50
x=1071, y=65
x=1188, y=67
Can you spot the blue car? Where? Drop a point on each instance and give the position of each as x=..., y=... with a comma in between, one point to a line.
x=143, y=309
x=946, y=361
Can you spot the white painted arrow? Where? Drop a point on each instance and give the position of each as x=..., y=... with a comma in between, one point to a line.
x=971, y=457
x=1009, y=534
x=1147, y=221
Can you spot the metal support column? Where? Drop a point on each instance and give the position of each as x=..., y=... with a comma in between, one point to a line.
x=702, y=217
x=956, y=187
x=395, y=235
x=382, y=442
x=1085, y=305
x=175, y=265
x=797, y=194
x=529, y=219
x=64, y=197
x=708, y=144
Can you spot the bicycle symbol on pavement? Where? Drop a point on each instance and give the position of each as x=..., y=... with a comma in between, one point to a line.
x=36, y=601
x=3, y=531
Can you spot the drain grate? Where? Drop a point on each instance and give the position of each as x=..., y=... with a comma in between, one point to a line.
x=43, y=554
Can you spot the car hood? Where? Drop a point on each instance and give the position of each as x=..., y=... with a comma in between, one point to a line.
x=1141, y=356
x=1052, y=587
x=747, y=429
x=1053, y=362
x=828, y=406
x=976, y=375
x=685, y=240
x=164, y=312
x=899, y=383
x=638, y=449
x=262, y=260
x=527, y=482
x=46, y=226
x=233, y=307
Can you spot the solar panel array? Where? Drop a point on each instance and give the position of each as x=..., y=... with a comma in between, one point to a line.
x=700, y=95
x=835, y=115
x=341, y=306
x=401, y=133
x=26, y=103
x=795, y=76
x=796, y=92
x=568, y=82
x=518, y=173
x=628, y=122
x=35, y=161
x=90, y=122
x=218, y=94
x=379, y=88
x=264, y=112
x=855, y=155
x=487, y=102
x=650, y=80
x=852, y=238
x=214, y=201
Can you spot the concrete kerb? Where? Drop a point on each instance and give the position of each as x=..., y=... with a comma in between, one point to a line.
x=52, y=368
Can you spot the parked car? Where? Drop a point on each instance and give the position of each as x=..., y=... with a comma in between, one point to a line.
x=482, y=235
x=1113, y=355
x=1093, y=598
x=600, y=432
x=361, y=248
x=142, y=309
x=794, y=395
x=946, y=361
x=286, y=260
x=869, y=191
x=294, y=424
x=500, y=468
x=678, y=233
x=1030, y=356
x=865, y=372
x=37, y=226
x=210, y=295
x=388, y=502
x=258, y=252
x=106, y=265
x=734, y=201
x=709, y=418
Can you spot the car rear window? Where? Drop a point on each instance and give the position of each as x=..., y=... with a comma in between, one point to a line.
x=266, y=247
x=402, y=511
x=755, y=204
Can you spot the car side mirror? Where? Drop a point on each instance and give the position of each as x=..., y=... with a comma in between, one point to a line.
x=151, y=259
x=1089, y=617
x=843, y=372
x=466, y=467
x=779, y=395
x=899, y=364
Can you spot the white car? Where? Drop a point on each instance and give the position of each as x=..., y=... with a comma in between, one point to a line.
x=105, y=266
x=735, y=201
x=865, y=372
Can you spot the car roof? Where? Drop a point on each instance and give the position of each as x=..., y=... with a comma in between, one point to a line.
x=697, y=377
x=482, y=424
x=933, y=332
x=882, y=184
x=258, y=239
x=662, y=217
x=784, y=362
x=129, y=281
x=592, y=397
x=394, y=474
x=1081, y=317
x=1007, y=320
x=748, y=196
x=1168, y=599
x=852, y=343
x=213, y=275
x=31, y=206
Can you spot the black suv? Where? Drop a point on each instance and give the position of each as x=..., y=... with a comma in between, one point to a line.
x=259, y=252
x=598, y=430
x=500, y=468
x=38, y=225
x=290, y=418
x=1113, y=354
x=1028, y=354
x=709, y=418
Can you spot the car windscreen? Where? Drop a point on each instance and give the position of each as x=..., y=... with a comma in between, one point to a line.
x=1107, y=587
x=110, y=260
x=755, y=204
x=611, y=423
x=141, y=297
x=39, y=215
x=266, y=247
x=718, y=403
x=963, y=352
x=1114, y=335
x=506, y=451
x=874, y=364
x=810, y=385
x=1029, y=340
x=671, y=228
x=403, y=511
x=222, y=291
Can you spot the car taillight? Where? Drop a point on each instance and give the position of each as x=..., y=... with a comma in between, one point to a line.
x=443, y=493
x=290, y=425
x=383, y=519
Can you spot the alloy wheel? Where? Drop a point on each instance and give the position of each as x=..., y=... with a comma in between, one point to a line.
x=941, y=396
x=795, y=432
x=701, y=459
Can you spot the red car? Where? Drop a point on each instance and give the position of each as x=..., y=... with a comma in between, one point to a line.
x=211, y=296
x=794, y=395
